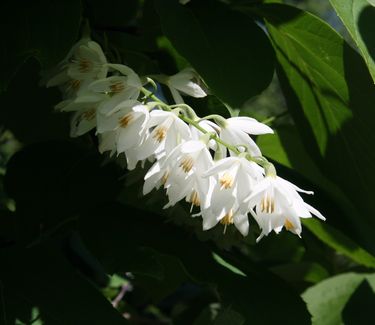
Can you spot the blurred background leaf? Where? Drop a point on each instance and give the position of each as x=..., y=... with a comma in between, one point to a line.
x=43, y=29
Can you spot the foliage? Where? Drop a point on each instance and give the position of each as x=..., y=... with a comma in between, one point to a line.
x=78, y=242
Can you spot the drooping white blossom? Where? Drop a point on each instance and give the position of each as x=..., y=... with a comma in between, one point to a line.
x=117, y=88
x=168, y=130
x=236, y=132
x=235, y=178
x=86, y=61
x=185, y=82
x=278, y=204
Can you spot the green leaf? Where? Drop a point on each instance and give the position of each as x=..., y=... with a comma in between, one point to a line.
x=230, y=52
x=359, y=309
x=327, y=299
x=282, y=147
x=44, y=29
x=329, y=94
x=358, y=17
x=339, y=242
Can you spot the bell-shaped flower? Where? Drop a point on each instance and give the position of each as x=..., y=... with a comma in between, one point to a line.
x=235, y=178
x=83, y=121
x=168, y=130
x=278, y=204
x=85, y=105
x=190, y=161
x=130, y=121
x=117, y=88
x=107, y=142
x=181, y=174
x=186, y=82
x=86, y=61
x=236, y=131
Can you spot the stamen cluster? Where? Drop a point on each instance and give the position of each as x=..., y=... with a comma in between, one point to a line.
x=211, y=162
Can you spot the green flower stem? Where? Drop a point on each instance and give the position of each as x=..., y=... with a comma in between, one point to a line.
x=212, y=136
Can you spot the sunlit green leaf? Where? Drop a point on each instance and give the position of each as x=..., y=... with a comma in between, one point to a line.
x=358, y=17
x=327, y=299
x=330, y=94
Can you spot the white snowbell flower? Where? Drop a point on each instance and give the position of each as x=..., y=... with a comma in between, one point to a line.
x=236, y=132
x=168, y=130
x=235, y=180
x=86, y=61
x=181, y=174
x=278, y=204
x=85, y=105
x=107, y=142
x=130, y=121
x=117, y=88
x=186, y=82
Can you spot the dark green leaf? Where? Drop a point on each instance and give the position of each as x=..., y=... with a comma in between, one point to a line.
x=339, y=242
x=359, y=309
x=131, y=228
x=282, y=147
x=230, y=52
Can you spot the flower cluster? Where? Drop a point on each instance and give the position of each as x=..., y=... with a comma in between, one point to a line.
x=211, y=162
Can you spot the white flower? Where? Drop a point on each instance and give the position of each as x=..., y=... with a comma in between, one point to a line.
x=107, y=142
x=278, y=204
x=86, y=61
x=237, y=130
x=83, y=121
x=117, y=88
x=168, y=130
x=186, y=82
x=130, y=121
x=235, y=180
x=190, y=160
x=181, y=174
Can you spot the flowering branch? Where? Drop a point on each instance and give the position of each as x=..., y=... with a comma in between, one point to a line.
x=226, y=187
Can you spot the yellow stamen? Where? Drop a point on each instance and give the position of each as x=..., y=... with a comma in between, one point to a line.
x=89, y=115
x=267, y=204
x=288, y=225
x=227, y=220
x=194, y=199
x=160, y=133
x=84, y=65
x=74, y=84
x=187, y=164
x=164, y=178
x=125, y=120
x=226, y=181
x=117, y=87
